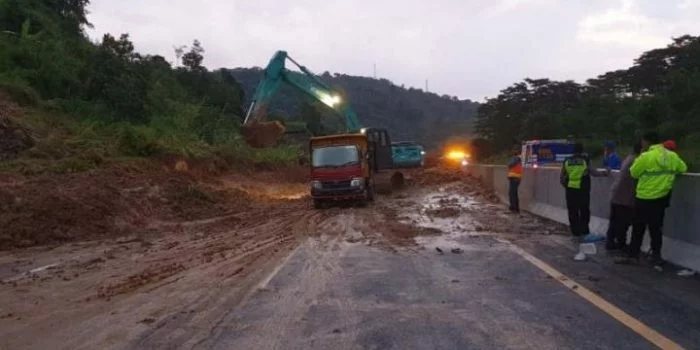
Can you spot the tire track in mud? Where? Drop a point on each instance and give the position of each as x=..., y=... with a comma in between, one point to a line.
x=168, y=291
x=236, y=276
x=313, y=265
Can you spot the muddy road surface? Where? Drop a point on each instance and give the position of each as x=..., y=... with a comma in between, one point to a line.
x=439, y=265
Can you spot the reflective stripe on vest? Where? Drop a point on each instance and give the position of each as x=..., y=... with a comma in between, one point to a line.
x=575, y=169
x=516, y=170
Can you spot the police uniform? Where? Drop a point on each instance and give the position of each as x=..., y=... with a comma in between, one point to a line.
x=576, y=179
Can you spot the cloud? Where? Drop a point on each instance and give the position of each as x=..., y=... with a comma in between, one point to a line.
x=630, y=25
x=468, y=48
x=624, y=25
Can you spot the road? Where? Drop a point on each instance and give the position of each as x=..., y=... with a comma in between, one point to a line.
x=348, y=278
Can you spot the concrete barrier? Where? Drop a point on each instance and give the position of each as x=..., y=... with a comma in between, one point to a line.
x=542, y=194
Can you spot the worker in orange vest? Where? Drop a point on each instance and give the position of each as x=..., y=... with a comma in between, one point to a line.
x=515, y=173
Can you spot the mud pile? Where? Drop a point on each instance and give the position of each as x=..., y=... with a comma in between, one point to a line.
x=263, y=134
x=52, y=209
x=437, y=176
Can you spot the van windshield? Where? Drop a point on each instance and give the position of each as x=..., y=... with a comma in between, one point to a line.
x=335, y=156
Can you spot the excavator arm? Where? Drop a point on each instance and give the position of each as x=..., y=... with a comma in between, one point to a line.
x=304, y=81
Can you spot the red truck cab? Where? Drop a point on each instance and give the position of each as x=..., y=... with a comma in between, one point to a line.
x=340, y=169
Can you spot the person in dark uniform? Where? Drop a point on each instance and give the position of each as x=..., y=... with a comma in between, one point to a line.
x=575, y=176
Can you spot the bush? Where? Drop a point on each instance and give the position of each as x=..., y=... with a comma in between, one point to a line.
x=138, y=141
x=20, y=92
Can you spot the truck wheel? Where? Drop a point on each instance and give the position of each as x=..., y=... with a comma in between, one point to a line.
x=397, y=180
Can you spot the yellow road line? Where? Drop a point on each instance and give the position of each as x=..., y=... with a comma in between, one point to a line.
x=637, y=326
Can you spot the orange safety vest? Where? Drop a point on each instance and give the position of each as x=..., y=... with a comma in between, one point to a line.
x=516, y=170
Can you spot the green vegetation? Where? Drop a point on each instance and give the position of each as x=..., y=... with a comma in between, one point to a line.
x=661, y=92
x=88, y=104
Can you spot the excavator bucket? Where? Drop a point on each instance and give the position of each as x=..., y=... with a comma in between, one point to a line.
x=262, y=134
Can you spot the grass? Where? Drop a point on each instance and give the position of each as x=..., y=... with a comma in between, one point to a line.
x=65, y=144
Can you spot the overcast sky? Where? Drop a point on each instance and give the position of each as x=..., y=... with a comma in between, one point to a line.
x=468, y=48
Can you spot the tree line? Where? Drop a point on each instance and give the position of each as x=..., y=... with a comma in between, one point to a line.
x=47, y=59
x=660, y=91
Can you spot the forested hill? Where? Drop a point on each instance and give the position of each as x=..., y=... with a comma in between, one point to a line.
x=660, y=91
x=409, y=114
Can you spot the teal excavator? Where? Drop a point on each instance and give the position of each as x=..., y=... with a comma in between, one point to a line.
x=259, y=133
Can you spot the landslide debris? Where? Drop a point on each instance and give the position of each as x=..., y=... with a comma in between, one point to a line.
x=52, y=209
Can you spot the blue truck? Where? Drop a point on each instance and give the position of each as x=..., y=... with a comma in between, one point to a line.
x=546, y=153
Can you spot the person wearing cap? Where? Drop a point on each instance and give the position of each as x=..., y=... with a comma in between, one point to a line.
x=655, y=171
x=515, y=173
x=670, y=145
x=610, y=158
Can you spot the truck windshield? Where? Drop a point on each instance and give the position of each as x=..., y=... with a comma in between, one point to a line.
x=334, y=156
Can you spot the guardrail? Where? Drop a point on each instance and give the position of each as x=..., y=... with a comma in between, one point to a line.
x=542, y=194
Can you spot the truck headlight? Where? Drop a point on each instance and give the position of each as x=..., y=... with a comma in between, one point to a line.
x=357, y=182
x=465, y=162
x=316, y=185
x=422, y=153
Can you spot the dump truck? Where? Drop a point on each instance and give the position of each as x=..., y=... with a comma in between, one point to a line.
x=343, y=166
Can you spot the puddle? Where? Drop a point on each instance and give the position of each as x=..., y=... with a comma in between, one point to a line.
x=441, y=210
x=447, y=212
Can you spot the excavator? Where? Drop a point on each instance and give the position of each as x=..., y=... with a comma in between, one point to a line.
x=343, y=165
x=259, y=133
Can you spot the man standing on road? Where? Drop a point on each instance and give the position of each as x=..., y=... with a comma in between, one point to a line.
x=622, y=203
x=656, y=171
x=576, y=178
x=610, y=158
x=515, y=173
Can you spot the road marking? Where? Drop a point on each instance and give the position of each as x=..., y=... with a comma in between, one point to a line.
x=637, y=326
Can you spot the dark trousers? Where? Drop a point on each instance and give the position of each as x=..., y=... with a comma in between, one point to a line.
x=621, y=217
x=578, y=204
x=648, y=214
x=513, y=185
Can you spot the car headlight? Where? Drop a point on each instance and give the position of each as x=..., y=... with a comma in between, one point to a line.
x=357, y=182
x=316, y=185
x=422, y=153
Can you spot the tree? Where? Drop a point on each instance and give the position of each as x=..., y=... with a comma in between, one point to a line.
x=71, y=9
x=122, y=48
x=193, y=59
